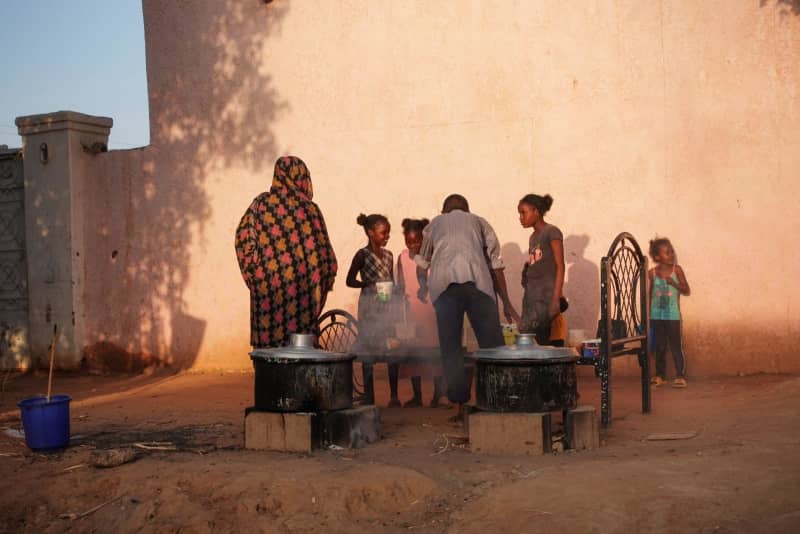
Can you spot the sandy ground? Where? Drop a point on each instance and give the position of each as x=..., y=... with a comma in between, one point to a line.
x=741, y=473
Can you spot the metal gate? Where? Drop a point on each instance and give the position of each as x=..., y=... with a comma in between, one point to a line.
x=14, y=352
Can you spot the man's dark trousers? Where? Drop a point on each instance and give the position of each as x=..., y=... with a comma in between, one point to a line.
x=481, y=309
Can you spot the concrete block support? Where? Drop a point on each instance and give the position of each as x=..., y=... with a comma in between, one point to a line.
x=303, y=432
x=509, y=433
x=287, y=432
x=352, y=429
x=57, y=151
x=582, y=428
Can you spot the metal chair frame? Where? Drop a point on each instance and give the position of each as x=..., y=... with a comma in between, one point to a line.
x=336, y=331
x=624, y=317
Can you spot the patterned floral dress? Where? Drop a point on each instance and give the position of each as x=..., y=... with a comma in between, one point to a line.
x=285, y=257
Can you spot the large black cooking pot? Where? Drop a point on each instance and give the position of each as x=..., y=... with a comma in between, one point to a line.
x=300, y=378
x=526, y=377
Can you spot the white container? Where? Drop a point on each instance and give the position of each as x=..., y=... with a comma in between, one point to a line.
x=384, y=290
x=575, y=337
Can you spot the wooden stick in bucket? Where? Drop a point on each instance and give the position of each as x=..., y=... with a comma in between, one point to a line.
x=52, y=359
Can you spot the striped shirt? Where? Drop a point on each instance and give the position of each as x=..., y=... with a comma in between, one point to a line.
x=376, y=268
x=459, y=247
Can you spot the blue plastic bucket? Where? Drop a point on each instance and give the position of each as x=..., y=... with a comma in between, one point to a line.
x=46, y=424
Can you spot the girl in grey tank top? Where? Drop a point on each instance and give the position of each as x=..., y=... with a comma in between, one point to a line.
x=543, y=273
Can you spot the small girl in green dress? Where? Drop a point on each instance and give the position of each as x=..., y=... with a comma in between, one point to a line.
x=667, y=284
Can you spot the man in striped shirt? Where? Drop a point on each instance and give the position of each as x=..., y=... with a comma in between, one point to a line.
x=459, y=264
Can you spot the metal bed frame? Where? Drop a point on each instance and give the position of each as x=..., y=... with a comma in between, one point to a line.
x=624, y=318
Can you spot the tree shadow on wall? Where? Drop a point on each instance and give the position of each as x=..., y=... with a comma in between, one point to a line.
x=582, y=286
x=786, y=6
x=211, y=108
x=210, y=97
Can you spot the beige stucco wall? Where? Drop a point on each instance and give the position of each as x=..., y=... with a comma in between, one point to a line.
x=670, y=118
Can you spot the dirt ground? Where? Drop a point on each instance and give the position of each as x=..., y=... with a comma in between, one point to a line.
x=740, y=473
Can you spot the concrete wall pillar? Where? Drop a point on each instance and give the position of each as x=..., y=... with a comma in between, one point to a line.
x=57, y=151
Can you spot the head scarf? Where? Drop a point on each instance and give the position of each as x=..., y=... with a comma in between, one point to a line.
x=291, y=174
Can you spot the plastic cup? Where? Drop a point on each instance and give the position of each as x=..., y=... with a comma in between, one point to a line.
x=384, y=290
x=510, y=333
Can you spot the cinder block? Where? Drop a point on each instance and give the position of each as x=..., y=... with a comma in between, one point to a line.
x=582, y=429
x=509, y=433
x=468, y=410
x=289, y=432
x=352, y=428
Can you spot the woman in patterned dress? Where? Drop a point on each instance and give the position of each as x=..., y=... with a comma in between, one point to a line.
x=285, y=256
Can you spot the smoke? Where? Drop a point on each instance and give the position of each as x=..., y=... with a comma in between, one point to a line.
x=392, y=325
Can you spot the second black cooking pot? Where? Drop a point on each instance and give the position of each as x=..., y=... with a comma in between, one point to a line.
x=526, y=377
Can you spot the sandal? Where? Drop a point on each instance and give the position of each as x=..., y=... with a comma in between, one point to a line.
x=679, y=382
x=458, y=417
x=657, y=381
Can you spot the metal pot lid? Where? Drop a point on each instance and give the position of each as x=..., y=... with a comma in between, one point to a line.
x=300, y=349
x=527, y=350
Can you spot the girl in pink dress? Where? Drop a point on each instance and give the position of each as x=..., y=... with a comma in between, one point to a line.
x=419, y=314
